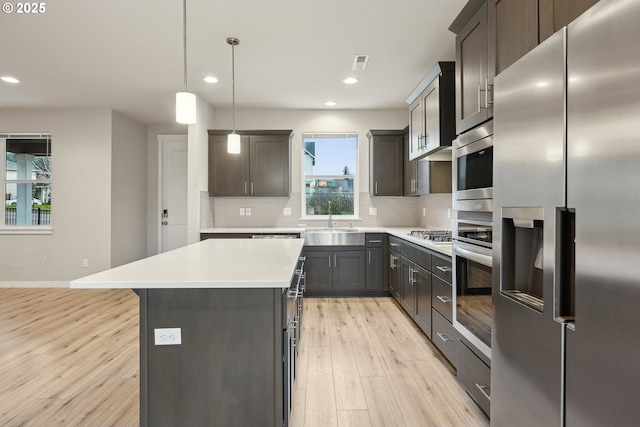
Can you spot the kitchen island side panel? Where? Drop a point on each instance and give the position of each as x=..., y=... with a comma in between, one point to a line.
x=228, y=369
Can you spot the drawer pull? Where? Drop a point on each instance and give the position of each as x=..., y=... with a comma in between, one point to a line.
x=444, y=338
x=445, y=300
x=375, y=241
x=485, y=390
x=444, y=269
x=394, y=244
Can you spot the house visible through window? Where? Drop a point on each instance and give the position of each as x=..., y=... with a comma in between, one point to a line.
x=330, y=169
x=26, y=175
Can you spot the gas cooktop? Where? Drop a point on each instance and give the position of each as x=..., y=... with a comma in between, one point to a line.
x=434, y=236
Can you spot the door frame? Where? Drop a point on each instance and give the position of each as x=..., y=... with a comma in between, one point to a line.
x=162, y=139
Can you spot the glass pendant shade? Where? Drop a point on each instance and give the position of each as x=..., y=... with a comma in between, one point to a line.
x=185, y=108
x=233, y=143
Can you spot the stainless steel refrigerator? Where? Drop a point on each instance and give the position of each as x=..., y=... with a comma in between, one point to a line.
x=566, y=337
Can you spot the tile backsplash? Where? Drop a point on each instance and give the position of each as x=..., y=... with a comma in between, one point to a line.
x=391, y=212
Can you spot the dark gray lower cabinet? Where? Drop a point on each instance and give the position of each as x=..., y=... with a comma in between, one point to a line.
x=333, y=270
x=228, y=371
x=445, y=337
x=475, y=376
x=375, y=269
x=393, y=280
x=422, y=283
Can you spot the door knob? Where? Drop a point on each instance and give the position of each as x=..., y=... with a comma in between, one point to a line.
x=165, y=222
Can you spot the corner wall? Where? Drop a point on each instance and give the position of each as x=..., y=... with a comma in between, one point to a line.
x=128, y=190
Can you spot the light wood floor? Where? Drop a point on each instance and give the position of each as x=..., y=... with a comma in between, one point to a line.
x=69, y=358
x=363, y=363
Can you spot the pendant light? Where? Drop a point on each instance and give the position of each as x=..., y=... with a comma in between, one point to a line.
x=233, y=140
x=185, y=101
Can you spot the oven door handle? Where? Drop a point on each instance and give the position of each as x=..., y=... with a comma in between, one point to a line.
x=474, y=256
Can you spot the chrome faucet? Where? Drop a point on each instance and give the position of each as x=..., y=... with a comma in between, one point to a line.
x=330, y=222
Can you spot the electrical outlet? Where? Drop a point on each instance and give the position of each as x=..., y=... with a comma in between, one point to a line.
x=168, y=336
x=286, y=211
x=424, y=211
x=373, y=211
x=85, y=263
x=241, y=211
x=247, y=211
x=448, y=212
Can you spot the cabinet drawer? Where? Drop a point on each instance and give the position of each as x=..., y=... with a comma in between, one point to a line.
x=445, y=337
x=397, y=245
x=419, y=255
x=375, y=240
x=475, y=376
x=442, y=297
x=441, y=267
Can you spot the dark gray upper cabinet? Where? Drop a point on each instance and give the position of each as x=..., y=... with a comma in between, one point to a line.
x=493, y=34
x=432, y=112
x=474, y=103
x=262, y=169
x=513, y=31
x=386, y=163
x=424, y=176
x=555, y=14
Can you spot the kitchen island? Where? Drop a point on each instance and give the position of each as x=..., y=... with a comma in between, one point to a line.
x=215, y=331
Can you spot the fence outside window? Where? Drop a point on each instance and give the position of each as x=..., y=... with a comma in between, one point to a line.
x=39, y=216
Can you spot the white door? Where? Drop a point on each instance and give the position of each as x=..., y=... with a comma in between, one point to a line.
x=173, y=192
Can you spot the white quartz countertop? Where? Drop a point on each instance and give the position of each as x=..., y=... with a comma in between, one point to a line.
x=212, y=263
x=401, y=232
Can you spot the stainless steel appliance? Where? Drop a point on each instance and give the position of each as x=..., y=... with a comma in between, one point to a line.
x=472, y=277
x=473, y=236
x=566, y=247
x=473, y=169
x=291, y=335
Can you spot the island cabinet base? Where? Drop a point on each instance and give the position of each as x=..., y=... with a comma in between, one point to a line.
x=228, y=370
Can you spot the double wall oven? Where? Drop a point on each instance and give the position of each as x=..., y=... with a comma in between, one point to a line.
x=473, y=235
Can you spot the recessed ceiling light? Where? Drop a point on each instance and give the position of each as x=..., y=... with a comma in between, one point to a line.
x=9, y=79
x=330, y=103
x=350, y=80
x=211, y=79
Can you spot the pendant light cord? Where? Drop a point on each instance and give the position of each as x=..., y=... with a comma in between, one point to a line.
x=184, y=40
x=233, y=85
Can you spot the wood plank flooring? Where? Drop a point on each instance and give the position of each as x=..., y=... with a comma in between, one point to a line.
x=363, y=362
x=69, y=358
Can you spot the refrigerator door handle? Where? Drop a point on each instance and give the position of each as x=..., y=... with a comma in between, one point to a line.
x=564, y=278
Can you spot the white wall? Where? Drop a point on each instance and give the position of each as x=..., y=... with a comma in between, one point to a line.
x=81, y=198
x=392, y=211
x=128, y=190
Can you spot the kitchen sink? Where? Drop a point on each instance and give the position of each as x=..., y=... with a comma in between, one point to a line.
x=334, y=237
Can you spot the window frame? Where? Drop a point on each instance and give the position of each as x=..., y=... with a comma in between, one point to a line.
x=304, y=176
x=21, y=229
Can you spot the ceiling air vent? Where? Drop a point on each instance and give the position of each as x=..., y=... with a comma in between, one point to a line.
x=360, y=62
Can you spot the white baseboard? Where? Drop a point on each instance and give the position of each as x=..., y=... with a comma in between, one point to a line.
x=43, y=284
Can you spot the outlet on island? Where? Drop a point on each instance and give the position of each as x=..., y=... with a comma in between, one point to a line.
x=167, y=336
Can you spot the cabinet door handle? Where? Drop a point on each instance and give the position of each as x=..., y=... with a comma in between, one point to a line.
x=412, y=279
x=444, y=268
x=252, y=188
x=335, y=260
x=245, y=188
x=369, y=256
x=486, y=93
x=329, y=261
x=483, y=389
x=445, y=300
x=443, y=337
x=479, y=97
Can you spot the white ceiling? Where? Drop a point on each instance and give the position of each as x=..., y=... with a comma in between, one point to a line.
x=293, y=54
